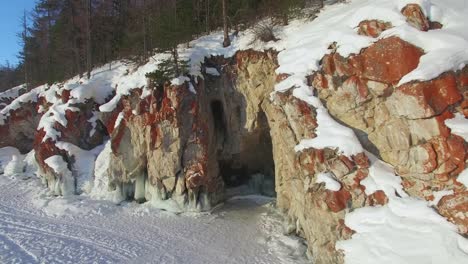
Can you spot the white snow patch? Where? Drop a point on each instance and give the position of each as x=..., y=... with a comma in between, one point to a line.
x=458, y=125
x=180, y=80
x=15, y=166
x=307, y=43
x=93, y=120
x=6, y=155
x=382, y=177
x=57, y=163
x=83, y=165
x=330, y=134
x=330, y=182
x=212, y=71
x=13, y=92
x=100, y=186
x=30, y=96
x=55, y=114
x=405, y=230
x=119, y=119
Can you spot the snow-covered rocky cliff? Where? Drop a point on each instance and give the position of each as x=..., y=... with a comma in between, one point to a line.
x=358, y=118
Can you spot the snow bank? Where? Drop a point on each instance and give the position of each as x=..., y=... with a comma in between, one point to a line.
x=83, y=165
x=55, y=114
x=12, y=162
x=15, y=166
x=212, y=71
x=57, y=164
x=382, y=177
x=100, y=186
x=308, y=43
x=305, y=45
x=458, y=125
x=406, y=230
x=65, y=184
x=6, y=155
x=330, y=134
x=31, y=96
x=12, y=93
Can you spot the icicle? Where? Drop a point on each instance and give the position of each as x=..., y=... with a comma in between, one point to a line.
x=140, y=188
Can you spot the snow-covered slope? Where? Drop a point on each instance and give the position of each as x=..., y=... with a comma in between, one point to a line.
x=37, y=228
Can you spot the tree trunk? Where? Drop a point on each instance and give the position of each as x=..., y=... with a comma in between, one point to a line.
x=145, y=47
x=88, y=40
x=227, y=41
x=175, y=55
x=25, y=54
x=207, y=16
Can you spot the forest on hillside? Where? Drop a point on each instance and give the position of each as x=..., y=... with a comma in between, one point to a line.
x=63, y=38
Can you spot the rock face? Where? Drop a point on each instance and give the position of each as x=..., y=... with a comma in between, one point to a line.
x=403, y=125
x=180, y=146
x=176, y=145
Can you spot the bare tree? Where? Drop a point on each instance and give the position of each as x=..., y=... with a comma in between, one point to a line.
x=207, y=16
x=24, y=40
x=227, y=41
x=88, y=39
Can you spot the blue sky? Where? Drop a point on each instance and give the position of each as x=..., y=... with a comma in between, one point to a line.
x=10, y=25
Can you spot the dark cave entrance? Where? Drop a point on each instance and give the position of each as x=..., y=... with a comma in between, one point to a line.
x=249, y=167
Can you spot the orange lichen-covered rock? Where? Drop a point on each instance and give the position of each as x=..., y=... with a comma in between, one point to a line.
x=337, y=201
x=388, y=60
x=416, y=17
x=373, y=28
x=455, y=209
x=434, y=96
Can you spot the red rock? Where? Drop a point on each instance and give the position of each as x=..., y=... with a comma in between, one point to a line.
x=435, y=25
x=415, y=17
x=464, y=107
x=342, y=66
x=431, y=163
x=450, y=155
x=337, y=201
x=281, y=77
x=387, y=61
x=361, y=160
x=328, y=65
x=443, y=129
x=373, y=28
x=361, y=174
x=435, y=95
x=454, y=208
x=65, y=96
x=349, y=163
x=319, y=81
x=378, y=198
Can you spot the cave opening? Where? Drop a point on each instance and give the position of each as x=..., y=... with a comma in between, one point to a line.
x=249, y=167
x=220, y=130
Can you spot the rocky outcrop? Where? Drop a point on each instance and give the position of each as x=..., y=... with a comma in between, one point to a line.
x=402, y=124
x=19, y=128
x=176, y=145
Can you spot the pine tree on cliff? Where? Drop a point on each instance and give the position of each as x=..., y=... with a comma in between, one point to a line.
x=175, y=26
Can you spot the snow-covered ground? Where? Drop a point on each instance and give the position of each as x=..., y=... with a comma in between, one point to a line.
x=36, y=228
